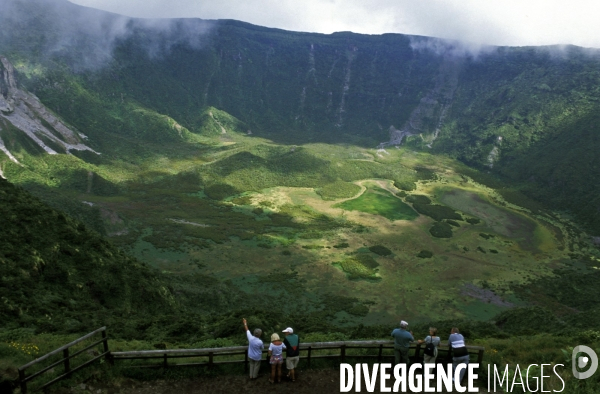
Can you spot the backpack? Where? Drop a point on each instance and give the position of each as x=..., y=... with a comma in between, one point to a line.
x=430, y=348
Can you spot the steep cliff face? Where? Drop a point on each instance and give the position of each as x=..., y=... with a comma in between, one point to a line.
x=26, y=113
x=121, y=77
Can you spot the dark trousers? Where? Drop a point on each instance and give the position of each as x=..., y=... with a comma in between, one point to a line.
x=401, y=355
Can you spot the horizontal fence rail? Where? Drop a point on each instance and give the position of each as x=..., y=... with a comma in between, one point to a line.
x=306, y=353
x=378, y=350
x=65, y=361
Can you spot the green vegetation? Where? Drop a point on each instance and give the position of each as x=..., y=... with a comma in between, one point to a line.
x=545, y=138
x=377, y=201
x=437, y=212
x=425, y=254
x=418, y=199
x=522, y=95
x=60, y=276
x=426, y=174
x=338, y=189
x=220, y=191
x=380, y=250
x=359, y=266
x=404, y=186
x=219, y=164
x=441, y=230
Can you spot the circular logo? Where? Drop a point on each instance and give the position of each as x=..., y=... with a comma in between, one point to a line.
x=583, y=361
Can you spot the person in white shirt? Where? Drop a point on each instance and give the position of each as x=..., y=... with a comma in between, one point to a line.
x=460, y=354
x=434, y=340
x=255, y=349
x=276, y=349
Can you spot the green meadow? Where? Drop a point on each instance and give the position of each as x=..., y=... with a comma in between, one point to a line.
x=256, y=213
x=377, y=201
x=241, y=179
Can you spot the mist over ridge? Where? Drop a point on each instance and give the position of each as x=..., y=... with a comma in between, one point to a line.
x=87, y=37
x=190, y=172
x=93, y=34
x=487, y=106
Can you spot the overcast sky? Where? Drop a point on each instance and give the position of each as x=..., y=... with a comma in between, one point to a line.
x=495, y=22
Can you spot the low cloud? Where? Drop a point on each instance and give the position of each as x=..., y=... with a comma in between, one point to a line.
x=454, y=48
x=489, y=22
x=85, y=36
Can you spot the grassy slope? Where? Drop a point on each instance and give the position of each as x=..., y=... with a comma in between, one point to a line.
x=58, y=275
x=546, y=120
x=291, y=86
x=150, y=118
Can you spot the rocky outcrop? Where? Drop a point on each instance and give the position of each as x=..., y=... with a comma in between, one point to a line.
x=434, y=105
x=7, y=83
x=25, y=112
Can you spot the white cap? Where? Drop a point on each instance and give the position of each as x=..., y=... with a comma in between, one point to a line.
x=403, y=324
x=289, y=329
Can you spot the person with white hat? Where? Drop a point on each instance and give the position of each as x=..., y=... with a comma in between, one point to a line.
x=292, y=352
x=402, y=340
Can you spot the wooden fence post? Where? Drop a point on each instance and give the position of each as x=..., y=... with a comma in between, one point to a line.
x=105, y=346
x=67, y=360
x=165, y=360
x=210, y=359
x=418, y=351
x=342, y=353
x=22, y=381
x=246, y=362
x=309, y=351
x=380, y=355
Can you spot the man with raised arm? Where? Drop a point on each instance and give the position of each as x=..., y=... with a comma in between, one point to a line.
x=255, y=348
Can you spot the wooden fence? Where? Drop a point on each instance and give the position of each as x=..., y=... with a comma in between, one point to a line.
x=377, y=351
x=341, y=350
x=65, y=361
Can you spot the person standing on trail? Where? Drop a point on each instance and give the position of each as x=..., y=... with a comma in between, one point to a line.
x=402, y=340
x=292, y=352
x=255, y=348
x=276, y=349
x=432, y=341
x=460, y=354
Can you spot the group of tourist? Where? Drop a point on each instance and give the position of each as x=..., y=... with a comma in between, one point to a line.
x=456, y=344
x=402, y=340
x=291, y=345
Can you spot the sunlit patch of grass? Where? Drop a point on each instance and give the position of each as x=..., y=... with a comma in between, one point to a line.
x=377, y=201
x=359, y=267
x=339, y=189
